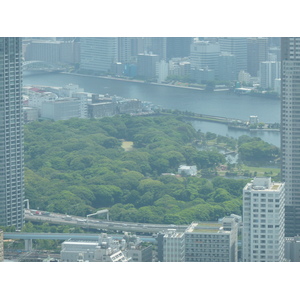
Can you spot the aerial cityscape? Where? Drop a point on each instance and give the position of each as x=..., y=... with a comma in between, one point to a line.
x=149, y=149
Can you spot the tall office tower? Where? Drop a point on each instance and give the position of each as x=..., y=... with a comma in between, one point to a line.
x=257, y=51
x=268, y=72
x=204, y=54
x=178, y=47
x=98, y=54
x=126, y=49
x=159, y=47
x=11, y=133
x=263, y=221
x=290, y=131
x=226, y=67
x=238, y=47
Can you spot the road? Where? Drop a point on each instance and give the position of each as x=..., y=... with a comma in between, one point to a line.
x=54, y=218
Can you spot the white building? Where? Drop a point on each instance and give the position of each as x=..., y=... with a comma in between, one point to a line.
x=204, y=54
x=263, y=221
x=162, y=71
x=35, y=96
x=187, y=170
x=268, y=72
x=62, y=109
x=173, y=246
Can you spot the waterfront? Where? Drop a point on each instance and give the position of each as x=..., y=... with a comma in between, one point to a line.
x=222, y=104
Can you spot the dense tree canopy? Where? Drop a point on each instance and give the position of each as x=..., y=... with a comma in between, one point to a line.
x=78, y=166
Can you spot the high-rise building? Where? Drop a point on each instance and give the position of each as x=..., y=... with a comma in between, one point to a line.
x=257, y=51
x=238, y=47
x=178, y=47
x=263, y=221
x=98, y=54
x=11, y=133
x=226, y=68
x=268, y=72
x=290, y=134
x=204, y=54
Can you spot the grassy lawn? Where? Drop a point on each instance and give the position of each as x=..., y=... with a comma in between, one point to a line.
x=262, y=170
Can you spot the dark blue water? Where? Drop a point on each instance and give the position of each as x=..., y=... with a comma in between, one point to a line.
x=221, y=104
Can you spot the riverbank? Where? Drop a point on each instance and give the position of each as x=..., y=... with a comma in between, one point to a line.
x=144, y=82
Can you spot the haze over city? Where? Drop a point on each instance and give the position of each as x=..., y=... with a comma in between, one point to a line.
x=154, y=149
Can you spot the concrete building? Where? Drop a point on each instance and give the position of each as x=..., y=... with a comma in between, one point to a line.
x=187, y=170
x=212, y=241
x=162, y=71
x=72, y=251
x=11, y=133
x=107, y=249
x=98, y=54
x=1, y=246
x=180, y=67
x=244, y=77
x=290, y=141
x=136, y=251
x=100, y=110
x=173, y=246
x=268, y=72
x=35, y=96
x=263, y=221
x=128, y=106
x=30, y=114
x=62, y=109
x=204, y=55
x=52, y=51
x=146, y=65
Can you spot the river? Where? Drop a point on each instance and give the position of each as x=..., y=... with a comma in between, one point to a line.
x=222, y=104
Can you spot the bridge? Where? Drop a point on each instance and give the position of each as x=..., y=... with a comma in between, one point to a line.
x=29, y=236
x=36, y=65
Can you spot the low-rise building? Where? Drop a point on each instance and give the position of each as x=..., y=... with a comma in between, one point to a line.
x=187, y=170
x=100, y=110
x=62, y=109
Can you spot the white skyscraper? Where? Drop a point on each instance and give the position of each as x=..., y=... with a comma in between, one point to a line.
x=11, y=133
x=263, y=221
